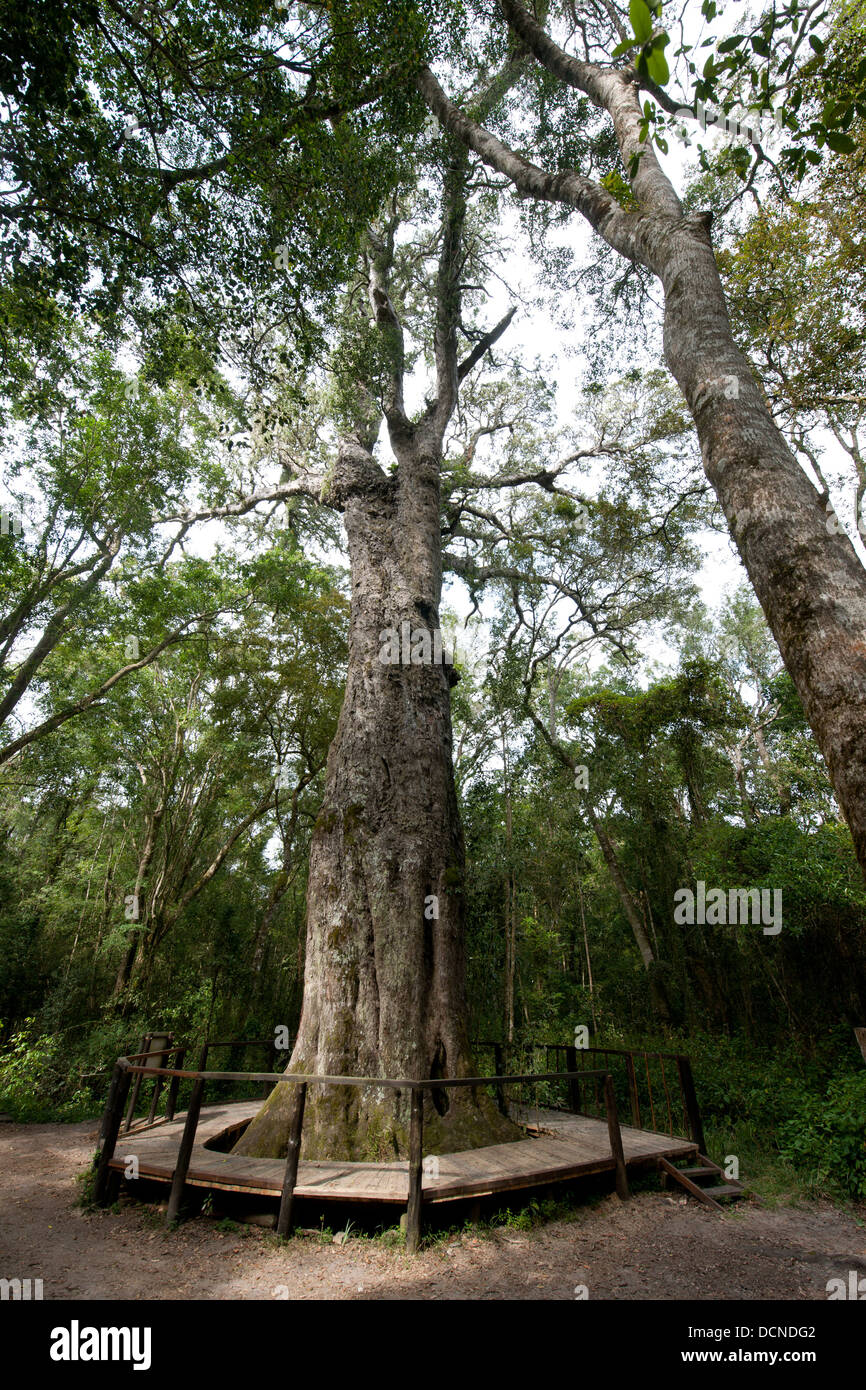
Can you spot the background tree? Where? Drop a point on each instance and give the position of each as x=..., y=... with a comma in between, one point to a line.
x=807, y=576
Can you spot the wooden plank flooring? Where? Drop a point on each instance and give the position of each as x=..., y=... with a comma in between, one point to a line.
x=567, y=1147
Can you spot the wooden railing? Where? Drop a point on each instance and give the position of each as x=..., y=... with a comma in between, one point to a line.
x=128, y=1067
x=148, y=1057
x=152, y=1070
x=657, y=1088
x=269, y=1045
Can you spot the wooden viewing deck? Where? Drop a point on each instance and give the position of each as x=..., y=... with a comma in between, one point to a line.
x=562, y=1148
x=562, y=1145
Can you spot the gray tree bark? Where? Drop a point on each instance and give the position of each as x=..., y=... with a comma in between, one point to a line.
x=384, y=991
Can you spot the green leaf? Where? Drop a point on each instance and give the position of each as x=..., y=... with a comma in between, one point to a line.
x=828, y=115
x=657, y=66
x=840, y=143
x=641, y=20
x=728, y=45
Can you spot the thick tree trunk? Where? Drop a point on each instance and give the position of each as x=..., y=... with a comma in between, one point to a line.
x=384, y=980
x=807, y=577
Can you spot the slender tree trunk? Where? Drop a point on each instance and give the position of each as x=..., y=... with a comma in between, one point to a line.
x=384, y=980
x=508, y=1001
x=808, y=579
x=279, y=887
x=661, y=1003
x=86, y=899
x=510, y=907
x=588, y=957
x=750, y=815
x=278, y=891
x=127, y=965
x=782, y=789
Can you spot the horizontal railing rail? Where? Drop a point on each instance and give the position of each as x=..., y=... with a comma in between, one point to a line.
x=662, y=1099
x=125, y=1069
x=149, y=1071
x=269, y=1045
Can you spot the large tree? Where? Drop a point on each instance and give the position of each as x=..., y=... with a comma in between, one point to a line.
x=265, y=141
x=384, y=984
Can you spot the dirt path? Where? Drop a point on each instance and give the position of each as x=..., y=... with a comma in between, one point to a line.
x=650, y=1247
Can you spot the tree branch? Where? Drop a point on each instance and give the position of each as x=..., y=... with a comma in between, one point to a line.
x=618, y=227
x=484, y=345
x=613, y=90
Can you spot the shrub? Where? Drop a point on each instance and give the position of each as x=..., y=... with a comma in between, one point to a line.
x=38, y=1080
x=828, y=1135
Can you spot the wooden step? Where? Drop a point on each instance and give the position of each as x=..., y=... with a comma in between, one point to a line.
x=727, y=1190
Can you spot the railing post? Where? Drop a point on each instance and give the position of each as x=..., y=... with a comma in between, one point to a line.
x=157, y=1090
x=174, y=1084
x=184, y=1153
x=133, y=1100
x=615, y=1133
x=293, y=1153
x=110, y=1129
x=573, y=1083
x=416, y=1156
x=499, y=1070
x=632, y=1089
x=687, y=1082
x=116, y=1073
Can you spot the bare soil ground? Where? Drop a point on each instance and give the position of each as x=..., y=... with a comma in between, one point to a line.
x=654, y=1246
